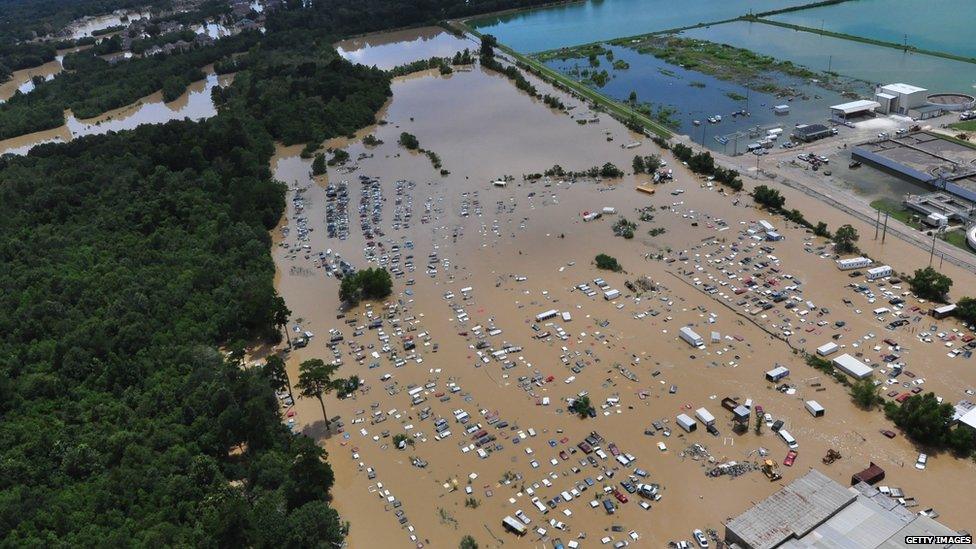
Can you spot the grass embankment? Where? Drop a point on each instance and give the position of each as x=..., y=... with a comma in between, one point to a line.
x=967, y=126
x=862, y=39
x=620, y=111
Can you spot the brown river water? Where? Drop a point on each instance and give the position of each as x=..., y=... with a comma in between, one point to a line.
x=522, y=249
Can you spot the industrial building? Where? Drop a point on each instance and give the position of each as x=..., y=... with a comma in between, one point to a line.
x=900, y=98
x=811, y=132
x=852, y=366
x=815, y=512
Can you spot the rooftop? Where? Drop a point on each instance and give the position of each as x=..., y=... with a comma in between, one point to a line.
x=856, y=106
x=904, y=89
x=792, y=512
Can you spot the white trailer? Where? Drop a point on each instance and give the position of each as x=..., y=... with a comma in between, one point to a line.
x=551, y=313
x=705, y=417
x=686, y=423
x=827, y=349
x=852, y=263
x=879, y=272
x=814, y=407
x=610, y=295
x=566, y=316
x=691, y=337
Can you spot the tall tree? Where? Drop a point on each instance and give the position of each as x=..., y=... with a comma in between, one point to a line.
x=315, y=381
x=274, y=369
x=845, y=239
x=280, y=314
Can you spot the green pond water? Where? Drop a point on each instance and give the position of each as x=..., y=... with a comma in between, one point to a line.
x=596, y=20
x=941, y=25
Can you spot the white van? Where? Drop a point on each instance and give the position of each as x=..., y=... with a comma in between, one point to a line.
x=788, y=439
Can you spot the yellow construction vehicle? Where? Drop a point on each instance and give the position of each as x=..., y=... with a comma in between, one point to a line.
x=769, y=469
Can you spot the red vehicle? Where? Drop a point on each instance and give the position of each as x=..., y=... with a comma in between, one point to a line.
x=620, y=496
x=759, y=409
x=790, y=458
x=887, y=433
x=563, y=455
x=613, y=449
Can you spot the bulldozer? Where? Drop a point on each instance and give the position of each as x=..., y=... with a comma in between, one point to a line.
x=769, y=469
x=832, y=456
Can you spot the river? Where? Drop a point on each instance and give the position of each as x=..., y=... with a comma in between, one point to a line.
x=387, y=50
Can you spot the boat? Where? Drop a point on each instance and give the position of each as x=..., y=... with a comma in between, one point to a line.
x=854, y=164
x=696, y=122
x=718, y=117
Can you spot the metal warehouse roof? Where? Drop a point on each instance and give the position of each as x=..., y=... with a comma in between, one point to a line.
x=791, y=512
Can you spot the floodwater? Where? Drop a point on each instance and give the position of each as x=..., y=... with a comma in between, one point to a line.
x=522, y=250
x=86, y=26
x=874, y=64
x=389, y=50
x=23, y=80
x=195, y=104
x=596, y=20
x=697, y=96
x=944, y=25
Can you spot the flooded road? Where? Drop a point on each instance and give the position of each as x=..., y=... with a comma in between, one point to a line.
x=478, y=262
x=23, y=80
x=195, y=104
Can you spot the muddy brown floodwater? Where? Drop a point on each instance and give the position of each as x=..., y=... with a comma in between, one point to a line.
x=522, y=249
x=196, y=103
x=388, y=50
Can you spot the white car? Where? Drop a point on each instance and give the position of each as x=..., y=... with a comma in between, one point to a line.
x=700, y=538
x=921, y=461
x=522, y=517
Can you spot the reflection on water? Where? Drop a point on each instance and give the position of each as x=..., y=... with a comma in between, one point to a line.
x=592, y=21
x=23, y=80
x=195, y=104
x=388, y=50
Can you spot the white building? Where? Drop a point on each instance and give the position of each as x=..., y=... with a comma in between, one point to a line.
x=852, y=366
x=878, y=272
x=853, y=263
x=900, y=98
x=827, y=349
x=853, y=109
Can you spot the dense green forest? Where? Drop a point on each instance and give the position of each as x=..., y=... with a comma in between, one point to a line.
x=27, y=19
x=14, y=57
x=126, y=261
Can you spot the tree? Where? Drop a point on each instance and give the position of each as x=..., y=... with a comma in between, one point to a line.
x=930, y=284
x=581, y=406
x=865, y=394
x=318, y=165
x=821, y=230
x=608, y=263
x=638, y=164
x=277, y=374
x=347, y=387
x=759, y=424
x=966, y=310
x=409, y=141
x=922, y=418
x=315, y=381
x=844, y=239
x=280, y=313
x=468, y=542
x=633, y=97
x=372, y=283
x=768, y=198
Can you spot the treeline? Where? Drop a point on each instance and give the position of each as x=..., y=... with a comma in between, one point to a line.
x=141, y=45
x=443, y=64
x=18, y=56
x=29, y=19
x=703, y=163
x=92, y=86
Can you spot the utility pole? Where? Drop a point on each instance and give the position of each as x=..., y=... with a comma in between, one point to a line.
x=830, y=61
x=932, y=252
x=877, y=225
x=885, y=232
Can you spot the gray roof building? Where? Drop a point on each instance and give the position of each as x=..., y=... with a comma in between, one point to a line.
x=815, y=512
